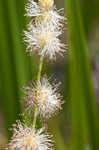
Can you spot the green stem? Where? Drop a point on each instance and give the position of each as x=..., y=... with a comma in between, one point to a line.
x=40, y=69
x=38, y=85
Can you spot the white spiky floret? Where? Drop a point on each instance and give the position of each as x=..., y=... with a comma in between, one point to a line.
x=52, y=15
x=44, y=40
x=28, y=138
x=32, y=9
x=47, y=98
x=46, y=4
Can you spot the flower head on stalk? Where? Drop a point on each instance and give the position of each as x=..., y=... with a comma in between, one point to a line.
x=46, y=4
x=28, y=138
x=47, y=98
x=44, y=40
x=45, y=12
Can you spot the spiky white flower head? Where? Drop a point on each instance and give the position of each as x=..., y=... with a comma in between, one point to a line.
x=28, y=138
x=46, y=4
x=45, y=12
x=46, y=97
x=44, y=40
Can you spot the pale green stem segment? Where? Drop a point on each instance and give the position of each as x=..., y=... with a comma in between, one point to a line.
x=38, y=85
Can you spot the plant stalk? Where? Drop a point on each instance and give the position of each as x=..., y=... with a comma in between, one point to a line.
x=38, y=86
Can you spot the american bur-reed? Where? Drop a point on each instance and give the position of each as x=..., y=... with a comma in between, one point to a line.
x=47, y=98
x=42, y=97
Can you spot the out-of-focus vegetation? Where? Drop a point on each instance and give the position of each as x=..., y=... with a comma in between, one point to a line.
x=85, y=120
x=77, y=127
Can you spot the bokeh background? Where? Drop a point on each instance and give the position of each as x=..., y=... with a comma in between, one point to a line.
x=77, y=126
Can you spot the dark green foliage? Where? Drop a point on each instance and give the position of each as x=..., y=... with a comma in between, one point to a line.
x=85, y=123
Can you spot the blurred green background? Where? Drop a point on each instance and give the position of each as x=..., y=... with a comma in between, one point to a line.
x=77, y=126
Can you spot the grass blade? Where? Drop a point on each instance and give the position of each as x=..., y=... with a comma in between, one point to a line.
x=83, y=102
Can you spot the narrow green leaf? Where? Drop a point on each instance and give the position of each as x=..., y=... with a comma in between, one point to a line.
x=17, y=51
x=15, y=66
x=83, y=102
x=8, y=94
